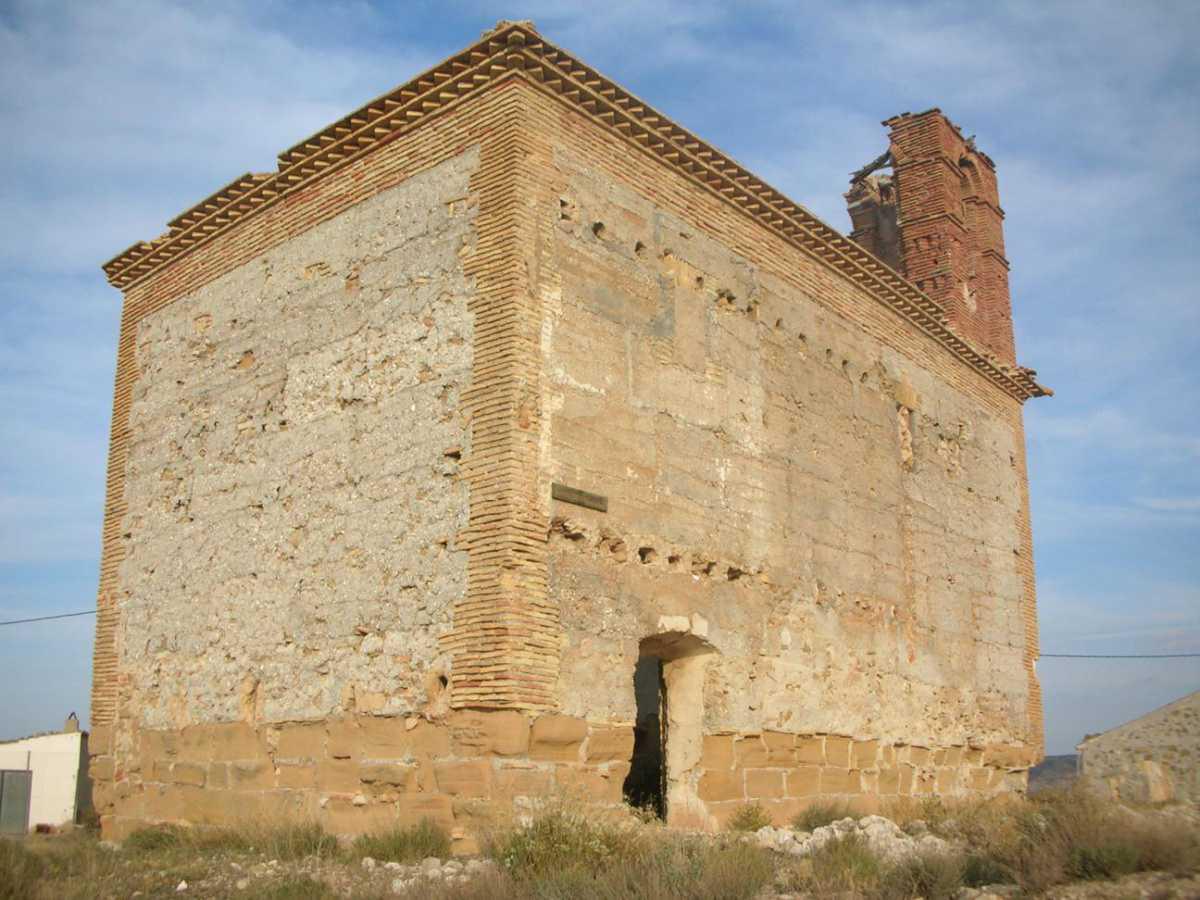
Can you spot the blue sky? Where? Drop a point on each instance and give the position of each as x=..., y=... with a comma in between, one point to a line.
x=120, y=115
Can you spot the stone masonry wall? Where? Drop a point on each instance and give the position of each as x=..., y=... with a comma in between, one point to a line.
x=843, y=524
x=296, y=427
x=1153, y=759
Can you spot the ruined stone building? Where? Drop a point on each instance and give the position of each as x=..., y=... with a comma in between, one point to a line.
x=510, y=441
x=1153, y=759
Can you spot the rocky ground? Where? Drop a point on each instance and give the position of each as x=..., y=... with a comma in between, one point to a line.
x=778, y=863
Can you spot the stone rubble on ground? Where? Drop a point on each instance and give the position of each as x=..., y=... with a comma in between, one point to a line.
x=885, y=838
x=451, y=871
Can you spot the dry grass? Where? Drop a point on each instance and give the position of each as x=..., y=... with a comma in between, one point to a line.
x=293, y=840
x=567, y=855
x=404, y=845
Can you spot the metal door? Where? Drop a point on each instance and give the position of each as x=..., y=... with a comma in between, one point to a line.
x=15, y=787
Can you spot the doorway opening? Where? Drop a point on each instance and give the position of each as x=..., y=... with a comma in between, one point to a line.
x=645, y=785
x=668, y=687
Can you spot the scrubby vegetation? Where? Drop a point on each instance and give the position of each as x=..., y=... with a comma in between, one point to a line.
x=818, y=814
x=568, y=852
x=404, y=845
x=749, y=817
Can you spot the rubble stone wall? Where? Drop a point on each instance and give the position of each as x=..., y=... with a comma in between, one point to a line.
x=841, y=520
x=296, y=431
x=1153, y=759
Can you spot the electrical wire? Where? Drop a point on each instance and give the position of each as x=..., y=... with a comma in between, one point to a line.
x=86, y=612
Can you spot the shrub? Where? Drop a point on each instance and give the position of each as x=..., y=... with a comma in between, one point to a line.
x=20, y=871
x=665, y=868
x=155, y=838
x=1106, y=861
x=749, y=817
x=844, y=864
x=820, y=814
x=404, y=845
x=935, y=876
x=980, y=869
x=559, y=841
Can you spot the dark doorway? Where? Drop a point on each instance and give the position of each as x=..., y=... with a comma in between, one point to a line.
x=645, y=786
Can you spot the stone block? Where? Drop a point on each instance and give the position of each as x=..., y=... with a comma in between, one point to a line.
x=781, y=748
x=100, y=740
x=837, y=751
x=343, y=738
x=388, y=776
x=218, y=776
x=163, y=802
x=764, y=784
x=187, y=773
x=1007, y=756
x=836, y=780
x=782, y=811
x=251, y=776
x=803, y=781
x=499, y=733
x=232, y=741
x=889, y=781
x=918, y=756
x=722, y=785
x=472, y=778
x=979, y=779
x=381, y=737
x=717, y=751
x=864, y=804
x=340, y=815
x=522, y=780
x=306, y=741
x=923, y=782
x=557, y=738
x=609, y=744
x=102, y=768
x=590, y=784
x=864, y=754
x=338, y=776
x=811, y=750
x=156, y=745
x=300, y=776
x=906, y=781
x=749, y=752
x=947, y=779
x=412, y=808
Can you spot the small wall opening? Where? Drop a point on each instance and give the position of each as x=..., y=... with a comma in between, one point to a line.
x=645, y=785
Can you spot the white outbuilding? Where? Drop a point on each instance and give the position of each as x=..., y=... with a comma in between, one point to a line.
x=43, y=780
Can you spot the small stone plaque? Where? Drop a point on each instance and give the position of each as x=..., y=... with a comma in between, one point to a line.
x=578, y=497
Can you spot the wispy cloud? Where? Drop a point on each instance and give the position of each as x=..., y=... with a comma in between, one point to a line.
x=121, y=114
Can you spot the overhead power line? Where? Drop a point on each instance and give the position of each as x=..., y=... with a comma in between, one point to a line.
x=86, y=612
x=1120, y=655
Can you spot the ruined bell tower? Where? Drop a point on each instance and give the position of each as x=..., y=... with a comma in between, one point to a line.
x=937, y=219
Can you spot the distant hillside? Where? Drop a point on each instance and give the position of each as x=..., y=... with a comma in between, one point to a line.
x=1054, y=772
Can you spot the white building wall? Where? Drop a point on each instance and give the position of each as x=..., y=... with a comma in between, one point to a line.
x=54, y=759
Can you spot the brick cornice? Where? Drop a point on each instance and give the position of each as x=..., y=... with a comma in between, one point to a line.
x=516, y=49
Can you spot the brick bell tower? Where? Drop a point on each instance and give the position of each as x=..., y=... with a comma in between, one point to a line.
x=937, y=220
